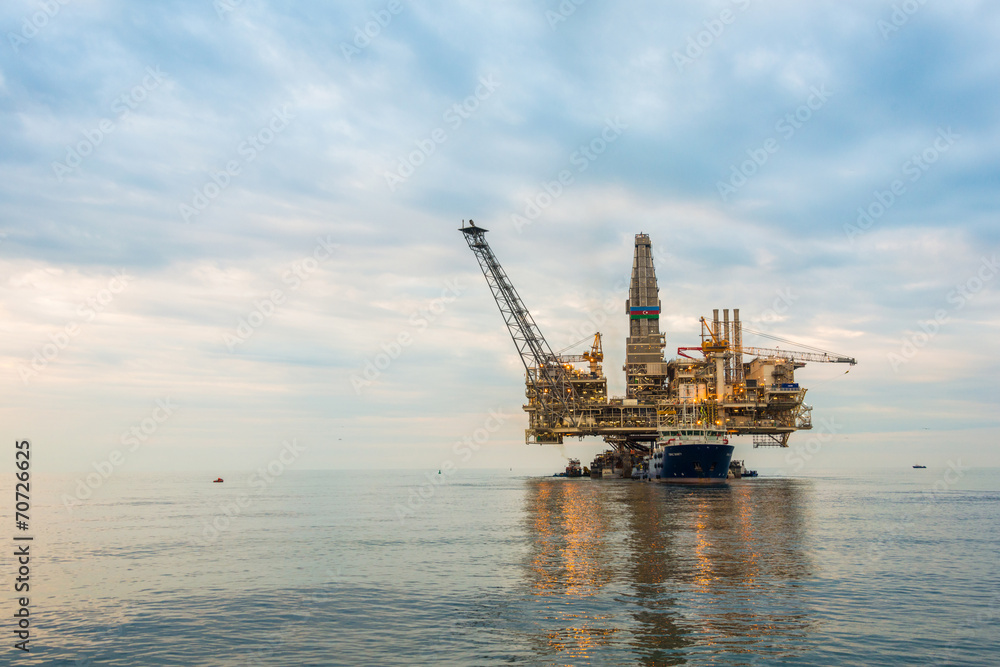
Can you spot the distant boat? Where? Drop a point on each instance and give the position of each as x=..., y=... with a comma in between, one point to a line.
x=573, y=469
x=737, y=470
x=216, y=481
x=918, y=466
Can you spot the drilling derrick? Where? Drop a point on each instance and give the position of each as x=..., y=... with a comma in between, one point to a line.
x=644, y=372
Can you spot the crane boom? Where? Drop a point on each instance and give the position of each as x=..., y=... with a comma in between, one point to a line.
x=798, y=356
x=791, y=355
x=543, y=367
x=594, y=357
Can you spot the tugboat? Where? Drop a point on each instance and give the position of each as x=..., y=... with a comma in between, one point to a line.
x=737, y=470
x=691, y=449
x=573, y=468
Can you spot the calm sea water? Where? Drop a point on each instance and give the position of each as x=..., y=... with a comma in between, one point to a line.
x=891, y=568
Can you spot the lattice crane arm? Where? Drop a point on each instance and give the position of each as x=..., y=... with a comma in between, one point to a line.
x=531, y=344
x=783, y=354
x=594, y=356
x=799, y=356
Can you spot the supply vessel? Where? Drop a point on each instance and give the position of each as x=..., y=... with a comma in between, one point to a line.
x=677, y=418
x=690, y=452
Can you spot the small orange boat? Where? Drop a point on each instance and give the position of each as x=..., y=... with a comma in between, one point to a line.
x=217, y=480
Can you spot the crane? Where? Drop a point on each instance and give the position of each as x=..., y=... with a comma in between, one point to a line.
x=545, y=371
x=791, y=355
x=594, y=356
x=715, y=343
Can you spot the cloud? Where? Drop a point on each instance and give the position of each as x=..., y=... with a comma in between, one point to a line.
x=259, y=119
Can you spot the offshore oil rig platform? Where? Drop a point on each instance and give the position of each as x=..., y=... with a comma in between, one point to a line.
x=720, y=384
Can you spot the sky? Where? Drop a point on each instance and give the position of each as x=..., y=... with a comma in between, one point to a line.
x=228, y=230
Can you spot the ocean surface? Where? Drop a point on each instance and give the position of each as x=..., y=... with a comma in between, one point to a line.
x=482, y=568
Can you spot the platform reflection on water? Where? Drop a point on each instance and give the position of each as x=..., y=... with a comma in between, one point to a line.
x=669, y=571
